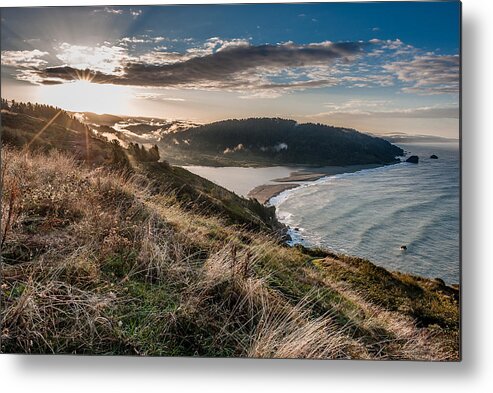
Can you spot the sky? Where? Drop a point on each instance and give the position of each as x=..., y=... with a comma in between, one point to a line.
x=382, y=67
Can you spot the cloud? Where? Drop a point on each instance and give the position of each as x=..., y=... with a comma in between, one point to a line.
x=214, y=44
x=23, y=58
x=238, y=147
x=103, y=58
x=113, y=11
x=134, y=13
x=378, y=109
x=158, y=97
x=276, y=148
x=280, y=146
x=262, y=71
x=230, y=66
x=141, y=39
x=428, y=74
x=422, y=113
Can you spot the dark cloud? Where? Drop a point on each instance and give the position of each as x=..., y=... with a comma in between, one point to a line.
x=49, y=82
x=221, y=68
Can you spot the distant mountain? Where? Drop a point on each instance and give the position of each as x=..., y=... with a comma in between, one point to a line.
x=406, y=138
x=275, y=141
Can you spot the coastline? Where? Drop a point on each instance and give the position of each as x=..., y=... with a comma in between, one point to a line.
x=264, y=193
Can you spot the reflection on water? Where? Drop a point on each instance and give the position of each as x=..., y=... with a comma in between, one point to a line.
x=241, y=180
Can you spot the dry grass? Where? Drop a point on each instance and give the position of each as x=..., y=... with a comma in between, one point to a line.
x=274, y=328
x=293, y=333
x=96, y=261
x=56, y=317
x=396, y=336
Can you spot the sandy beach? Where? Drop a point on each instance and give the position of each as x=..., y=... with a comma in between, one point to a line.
x=265, y=192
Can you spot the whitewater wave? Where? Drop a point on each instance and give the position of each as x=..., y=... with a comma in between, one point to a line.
x=372, y=212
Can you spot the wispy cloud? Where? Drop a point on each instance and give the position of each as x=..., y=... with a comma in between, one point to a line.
x=158, y=97
x=141, y=39
x=361, y=108
x=133, y=12
x=24, y=58
x=428, y=74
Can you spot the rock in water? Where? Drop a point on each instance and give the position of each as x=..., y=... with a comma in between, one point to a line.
x=413, y=159
x=403, y=248
x=434, y=157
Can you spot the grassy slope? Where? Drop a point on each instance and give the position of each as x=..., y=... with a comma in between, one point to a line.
x=160, y=262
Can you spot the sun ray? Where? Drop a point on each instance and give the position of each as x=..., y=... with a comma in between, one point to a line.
x=88, y=157
x=38, y=134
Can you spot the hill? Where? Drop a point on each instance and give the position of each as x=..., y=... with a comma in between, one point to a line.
x=121, y=254
x=274, y=141
x=21, y=129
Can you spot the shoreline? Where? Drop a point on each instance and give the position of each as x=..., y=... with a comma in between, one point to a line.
x=295, y=234
x=265, y=192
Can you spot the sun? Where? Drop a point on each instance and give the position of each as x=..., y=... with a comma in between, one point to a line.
x=84, y=96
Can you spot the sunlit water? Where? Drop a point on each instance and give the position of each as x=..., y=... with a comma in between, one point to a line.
x=241, y=180
x=373, y=212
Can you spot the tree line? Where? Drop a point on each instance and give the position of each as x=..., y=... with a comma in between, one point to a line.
x=283, y=141
x=47, y=112
x=67, y=120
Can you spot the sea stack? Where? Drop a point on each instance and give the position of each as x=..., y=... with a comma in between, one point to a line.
x=434, y=157
x=413, y=159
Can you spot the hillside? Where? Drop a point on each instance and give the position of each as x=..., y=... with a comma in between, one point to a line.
x=120, y=254
x=191, y=190
x=274, y=141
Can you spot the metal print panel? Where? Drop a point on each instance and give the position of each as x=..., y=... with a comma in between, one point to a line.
x=256, y=180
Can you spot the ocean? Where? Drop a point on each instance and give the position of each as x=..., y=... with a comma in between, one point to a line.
x=372, y=213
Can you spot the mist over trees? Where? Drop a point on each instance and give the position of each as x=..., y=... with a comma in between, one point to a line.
x=23, y=121
x=281, y=141
x=254, y=141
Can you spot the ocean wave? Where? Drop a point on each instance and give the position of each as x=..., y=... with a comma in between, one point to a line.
x=286, y=194
x=372, y=212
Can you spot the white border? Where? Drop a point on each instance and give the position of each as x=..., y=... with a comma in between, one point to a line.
x=87, y=374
